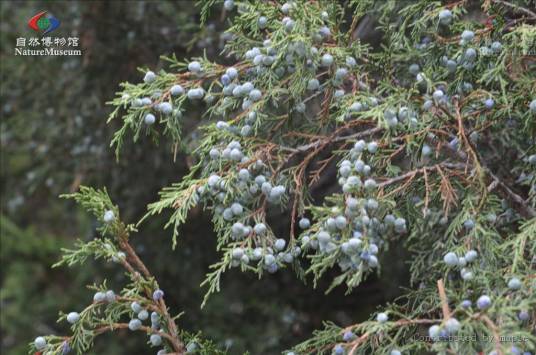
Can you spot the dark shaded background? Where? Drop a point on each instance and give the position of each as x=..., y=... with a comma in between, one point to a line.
x=54, y=137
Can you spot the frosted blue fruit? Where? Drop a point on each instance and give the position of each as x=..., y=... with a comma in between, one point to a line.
x=341, y=222
x=350, y=62
x=313, y=84
x=196, y=94
x=355, y=181
x=467, y=35
x=354, y=244
x=438, y=95
x=372, y=261
x=257, y=60
x=469, y=224
x=466, y=274
x=426, y=150
x=247, y=87
x=338, y=94
x=280, y=244
x=461, y=261
x=176, y=90
x=158, y=295
x=262, y=22
x=165, y=107
x=532, y=106
x=40, y=343
x=287, y=257
x=149, y=119
x=483, y=302
x=143, y=315
x=269, y=259
x=514, y=284
x=324, y=31
x=163, y=352
x=372, y=147
x=356, y=107
x=300, y=107
x=445, y=17
x=260, y=228
x=327, y=60
x=304, y=223
x=466, y=304
x=237, y=253
x=237, y=209
x=261, y=180
x=255, y=95
x=246, y=104
x=370, y=184
x=428, y=104
x=214, y=153
x=65, y=348
x=228, y=90
x=433, y=331
x=348, y=336
x=532, y=160
x=134, y=324
x=452, y=325
x=382, y=317
x=395, y=352
x=360, y=145
x=496, y=46
x=289, y=25
x=146, y=101
x=338, y=350
x=237, y=229
x=136, y=307
x=155, y=339
x=109, y=216
x=149, y=77
x=236, y=154
x=471, y=256
x=450, y=259
x=243, y=174
x=389, y=219
x=523, y=316
x=352, y=203
x=323, y=237
x=99, y=297
x=194, y=67
x=372, y=204
x=286, y=8
x=213, y=180
x=414, y=69
x=489, y=103
x=238, y=91
x=345, y=170
x=451, y=66
x=341, y=73
x=155, y=318
x=73, y=317
x=110, y=296
x=225, y=79
x=470, y=54
x=232, y=73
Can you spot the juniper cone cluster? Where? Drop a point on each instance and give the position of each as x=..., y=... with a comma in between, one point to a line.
x=428, y=135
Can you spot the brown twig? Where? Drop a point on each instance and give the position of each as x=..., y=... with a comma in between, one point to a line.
x=443, y=297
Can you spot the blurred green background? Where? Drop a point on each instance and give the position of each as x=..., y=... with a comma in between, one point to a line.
x=54, y=137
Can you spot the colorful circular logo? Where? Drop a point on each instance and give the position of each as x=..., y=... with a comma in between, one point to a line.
x=43, y=24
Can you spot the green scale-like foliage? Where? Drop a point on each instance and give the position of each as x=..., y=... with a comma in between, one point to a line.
x=425, y=133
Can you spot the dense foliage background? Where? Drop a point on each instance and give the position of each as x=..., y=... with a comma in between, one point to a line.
x=54, y=137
